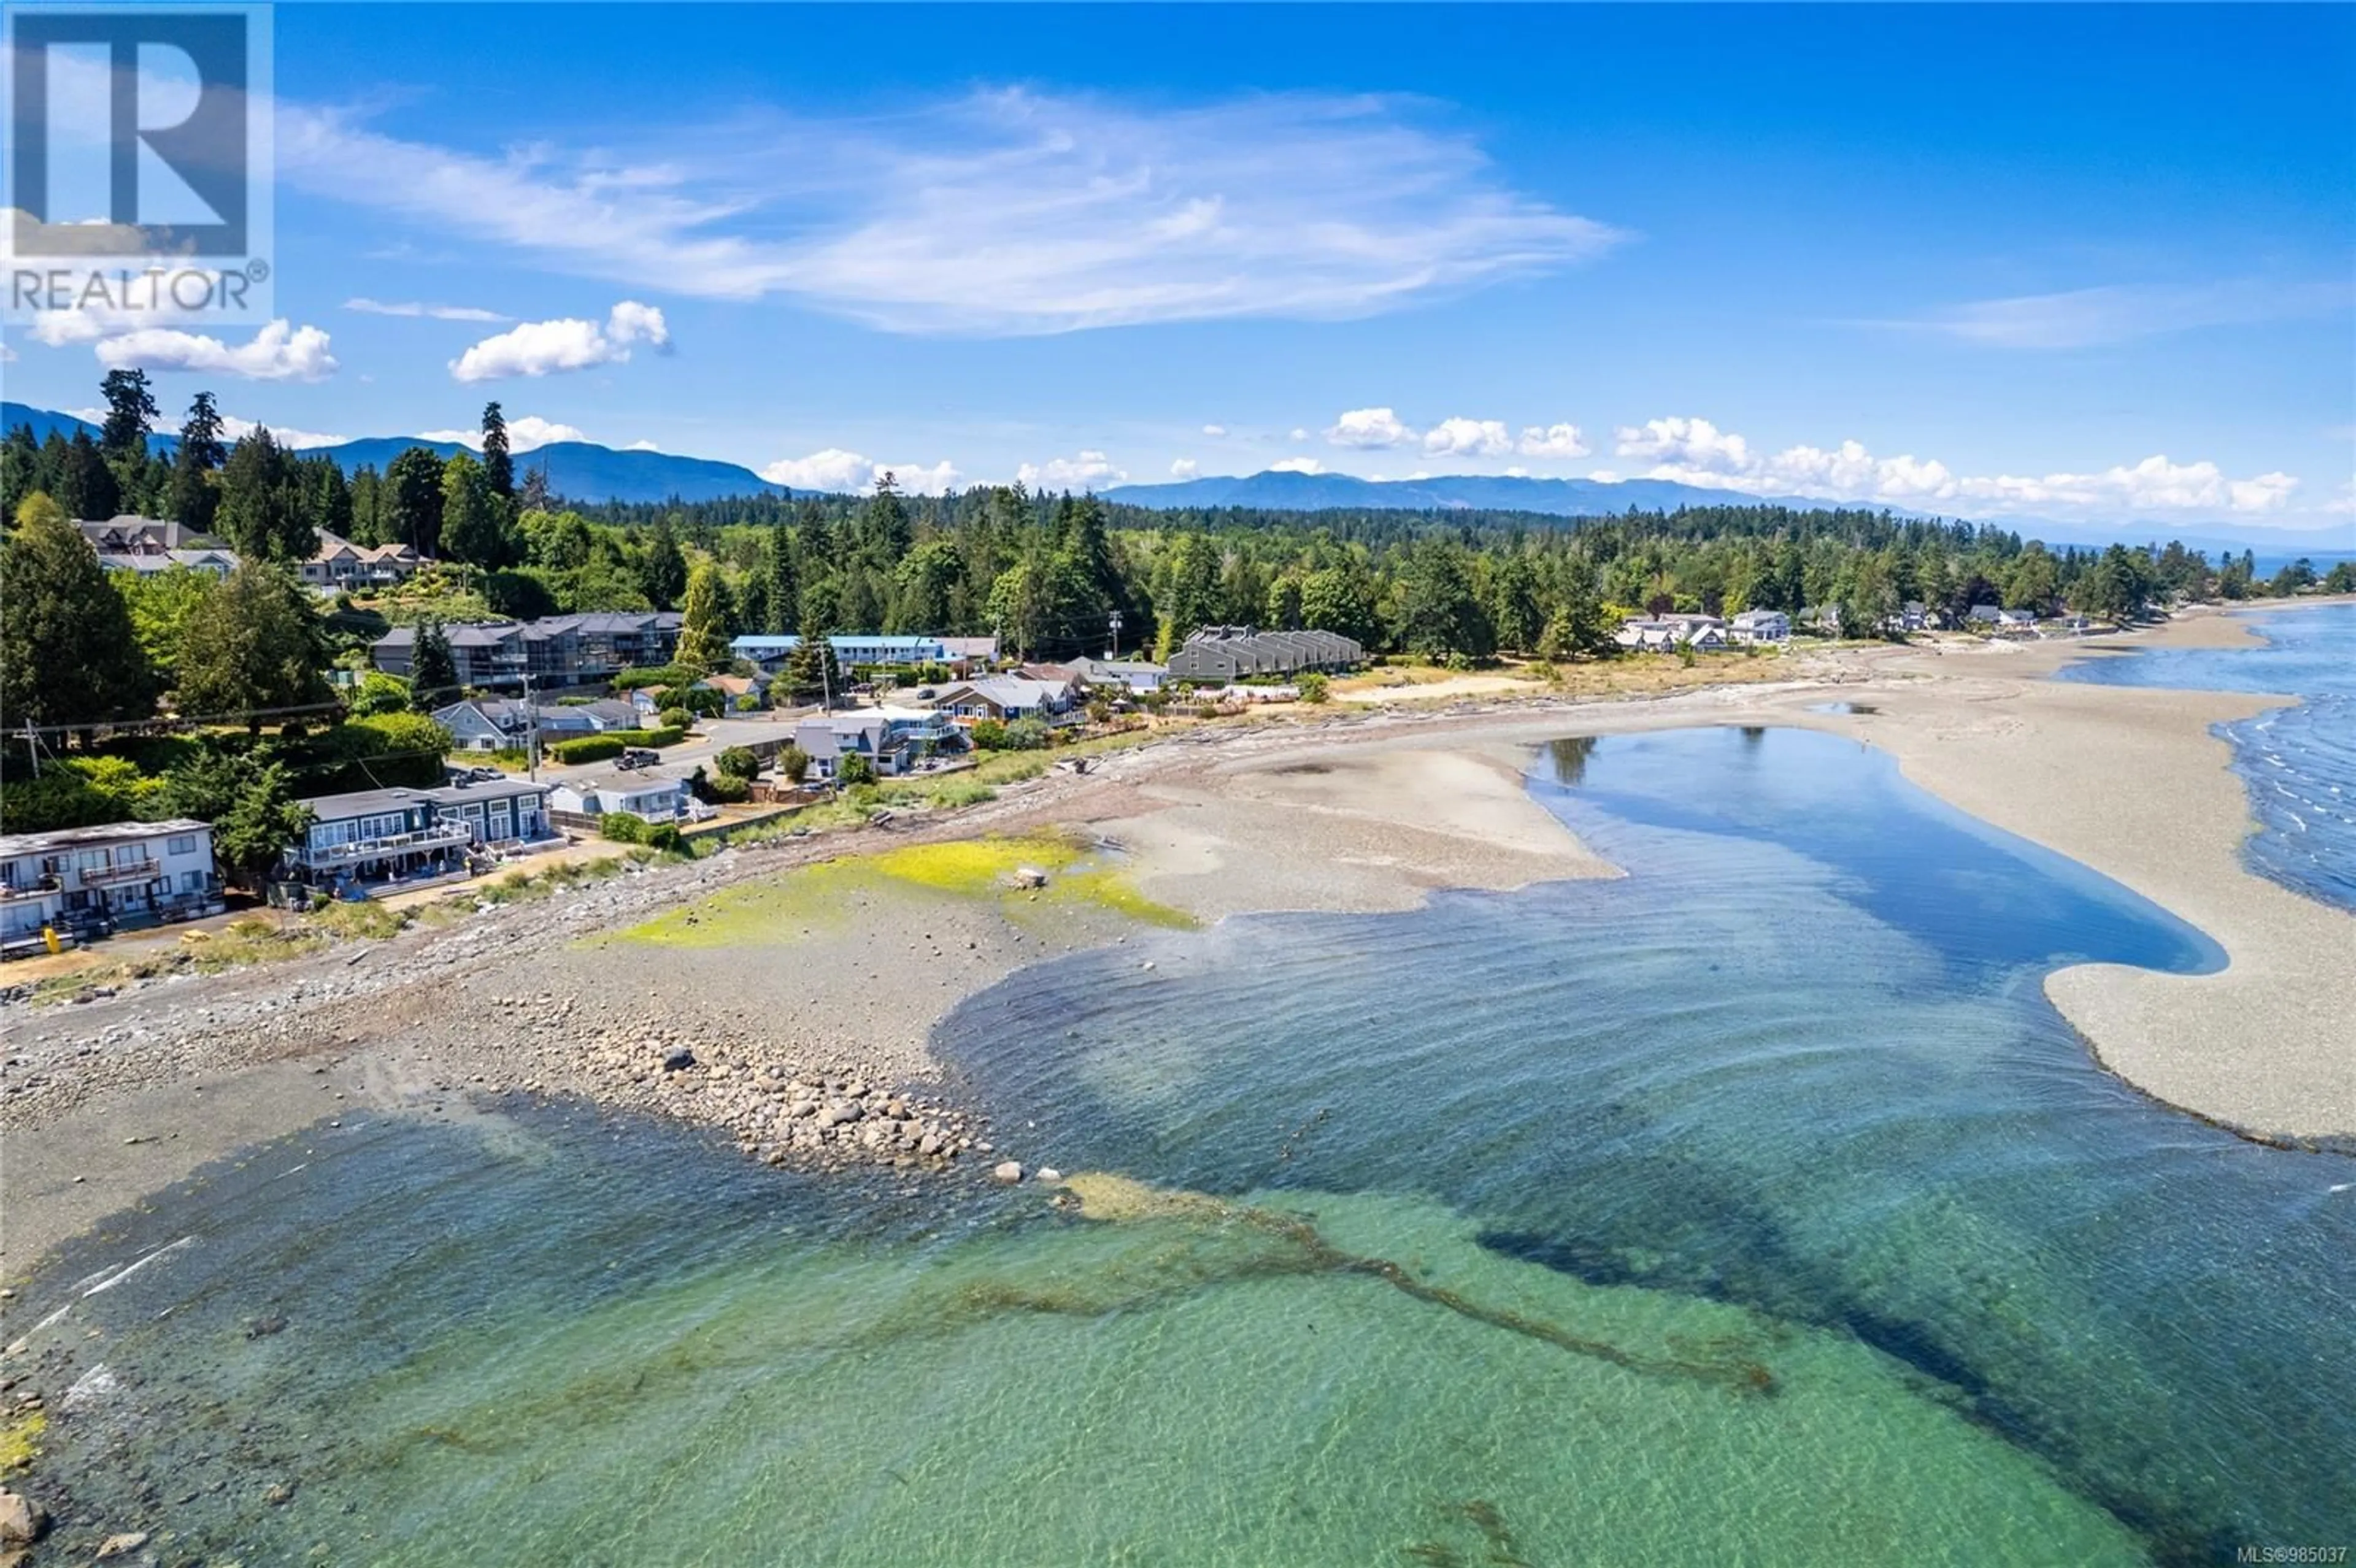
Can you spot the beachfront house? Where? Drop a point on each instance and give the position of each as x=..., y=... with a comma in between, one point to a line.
x=894, y=739
x=1130, y=676
x=1762, y=626
x=391, y=834
x=151, y=563
x=1007, y=698
x=589, y=797
x=87, y=881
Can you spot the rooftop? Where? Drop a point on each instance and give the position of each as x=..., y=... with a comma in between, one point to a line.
x=15, y=844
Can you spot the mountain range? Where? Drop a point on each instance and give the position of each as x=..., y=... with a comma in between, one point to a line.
x=579, y=469
x=585, y=470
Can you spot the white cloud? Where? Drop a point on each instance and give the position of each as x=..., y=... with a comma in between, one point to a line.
x=849, y=473
x=8, y=355
x=923, y=479
x=999, y=212
x=1298, y=433
x=525, y=431
x=1467, y=438
x=235, y=429
x=1696, y=451
x=1686, y=443
x=429, y=312
x=1368, y=429
x=568, y=343
x=1184, y=468
x=1085, y=472
x=641, y=446
x=279, y=352
x=2080, y=318
x=1298, y=465
x=1214, y=432
x=1552, y=440
x=833, y=470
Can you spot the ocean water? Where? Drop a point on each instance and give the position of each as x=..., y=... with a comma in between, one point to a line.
x=1752, y=1207
x=2298, y=763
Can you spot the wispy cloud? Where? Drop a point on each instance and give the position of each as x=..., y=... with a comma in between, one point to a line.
x=413, y=308
x=526, y=432
x=2085, y=318
x=999, y=213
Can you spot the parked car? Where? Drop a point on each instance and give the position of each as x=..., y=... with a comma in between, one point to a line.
x=638, y=757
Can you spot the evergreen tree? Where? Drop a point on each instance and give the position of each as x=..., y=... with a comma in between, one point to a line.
x=86, y=488
x=255, y=648
x=262, y=512
x=410, y=504
x=250, y=804
x=812, y=675
x=784, y=599
x=663, y=573
x=194, y=499
x=703, y=628
x=432, y=673
x=328, y=496
x=130, y=415
x=368, y=508
x=69, y=654
x=20, y=467
x=474, y=518
x=498, y=468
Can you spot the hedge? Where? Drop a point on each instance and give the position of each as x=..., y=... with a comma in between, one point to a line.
x=613, y=743
x=622, y=827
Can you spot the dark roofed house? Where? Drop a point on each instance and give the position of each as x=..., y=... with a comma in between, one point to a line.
x=374, y=835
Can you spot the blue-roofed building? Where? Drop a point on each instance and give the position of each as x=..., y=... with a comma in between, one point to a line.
x=850, y=648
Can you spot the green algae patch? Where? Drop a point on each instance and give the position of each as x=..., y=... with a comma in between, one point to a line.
x=20, y=1438
x=809, y=898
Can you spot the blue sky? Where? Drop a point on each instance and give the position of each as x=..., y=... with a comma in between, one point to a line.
x=2054, y=261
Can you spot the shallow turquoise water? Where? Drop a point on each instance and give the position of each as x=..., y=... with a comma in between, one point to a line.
x=1784, y=1109
x=2298, y=763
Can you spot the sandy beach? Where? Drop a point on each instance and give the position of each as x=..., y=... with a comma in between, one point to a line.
x=1362, y=809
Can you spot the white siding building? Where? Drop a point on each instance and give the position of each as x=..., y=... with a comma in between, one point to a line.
x=87, y=881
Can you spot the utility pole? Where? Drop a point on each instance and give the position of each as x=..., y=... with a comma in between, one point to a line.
x=532, y=719
x=825, y=686
x=1115, y=653
x=33, y=747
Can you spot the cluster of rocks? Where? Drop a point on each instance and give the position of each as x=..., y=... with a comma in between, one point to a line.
x=780, y=1110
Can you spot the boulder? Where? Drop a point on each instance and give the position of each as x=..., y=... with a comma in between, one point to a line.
x=678, y=1059
x=21, y=1520
x=118, y=1545
x=1006, y=1171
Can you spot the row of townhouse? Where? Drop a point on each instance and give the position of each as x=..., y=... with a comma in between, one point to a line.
x=554, y=651
x=74, y=883
x=771, y=653
x=1218, y=654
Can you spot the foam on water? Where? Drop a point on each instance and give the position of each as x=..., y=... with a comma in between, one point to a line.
x=2298, y=763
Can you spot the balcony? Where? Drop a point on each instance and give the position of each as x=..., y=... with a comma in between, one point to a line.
x=144, y=869
x=426, y=841
x=33, y=888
